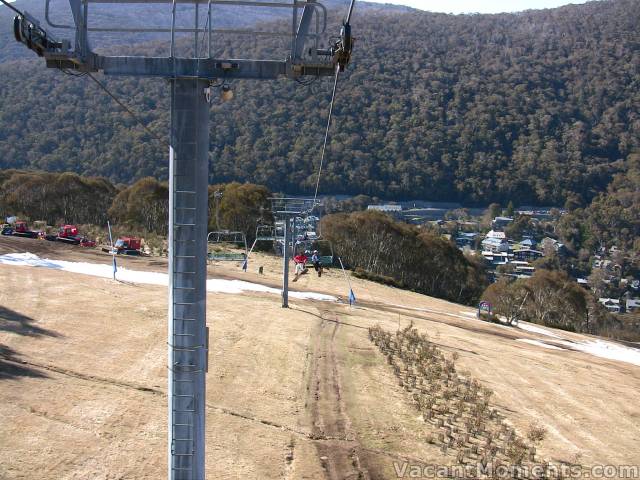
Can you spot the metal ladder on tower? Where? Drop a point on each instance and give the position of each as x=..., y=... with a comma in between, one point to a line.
x=187, y=347
x=184, y=343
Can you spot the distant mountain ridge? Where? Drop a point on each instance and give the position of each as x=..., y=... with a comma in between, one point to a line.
x=533, y=107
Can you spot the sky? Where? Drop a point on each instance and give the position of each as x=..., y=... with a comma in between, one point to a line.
x=479, y=6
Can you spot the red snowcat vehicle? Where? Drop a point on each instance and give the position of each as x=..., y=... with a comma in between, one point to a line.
x=69, y=234
x=20, y=229
x=126, y=246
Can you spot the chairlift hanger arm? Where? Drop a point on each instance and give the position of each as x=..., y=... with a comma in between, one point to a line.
x=303, y=30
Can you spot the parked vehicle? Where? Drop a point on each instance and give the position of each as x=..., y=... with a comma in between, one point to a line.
x=69, y=234
x=19, y=229
x=125, y=246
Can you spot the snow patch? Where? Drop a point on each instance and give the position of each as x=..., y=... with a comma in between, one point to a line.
x=539, y=344
x=608, y=350
x=536, y=329
x=214, y=285
x=597, y=348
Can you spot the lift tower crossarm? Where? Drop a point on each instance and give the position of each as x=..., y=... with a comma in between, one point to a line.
x=83, y=59
x=207, y=68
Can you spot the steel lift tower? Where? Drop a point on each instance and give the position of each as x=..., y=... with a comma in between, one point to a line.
x=190, y=80
x=287, y=208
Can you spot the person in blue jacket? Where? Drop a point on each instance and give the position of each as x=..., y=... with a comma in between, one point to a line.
x=315, y=259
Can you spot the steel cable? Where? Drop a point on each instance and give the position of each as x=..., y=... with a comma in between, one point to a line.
x=326, y=134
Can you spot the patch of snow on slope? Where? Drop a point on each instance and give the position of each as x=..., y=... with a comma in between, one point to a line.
x=150, y=278
x=608, y=350
x=597, y=348
x=536, y=329
x=539, y=344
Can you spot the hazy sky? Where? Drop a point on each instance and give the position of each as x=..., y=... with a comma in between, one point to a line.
x=479, y=6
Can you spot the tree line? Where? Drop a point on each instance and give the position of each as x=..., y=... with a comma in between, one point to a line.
x=55, y=197
x=552, y=298
x=381, y=247
x=536, y=108
x=60, y=198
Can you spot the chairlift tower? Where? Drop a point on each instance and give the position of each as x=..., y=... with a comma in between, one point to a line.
x=191, y=81
x=287, y=208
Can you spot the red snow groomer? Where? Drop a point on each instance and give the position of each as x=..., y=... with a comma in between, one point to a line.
x=126, y=246
x=20, y=229
x=69, y=234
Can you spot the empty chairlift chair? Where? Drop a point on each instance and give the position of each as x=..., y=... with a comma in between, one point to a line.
x=226, y=246
x=267, y=233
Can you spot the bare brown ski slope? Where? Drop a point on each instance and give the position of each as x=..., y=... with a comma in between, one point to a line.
x=292, y=393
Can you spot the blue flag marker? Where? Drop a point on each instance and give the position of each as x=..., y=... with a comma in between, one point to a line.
x=352, y=297
x=113, y=252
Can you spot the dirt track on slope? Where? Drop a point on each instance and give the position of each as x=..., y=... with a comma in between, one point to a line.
x=338, y=448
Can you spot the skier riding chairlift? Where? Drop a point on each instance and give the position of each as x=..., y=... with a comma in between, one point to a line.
x=317, y=264
x=300, y=260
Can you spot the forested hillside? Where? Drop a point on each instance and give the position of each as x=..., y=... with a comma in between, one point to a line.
x=527, y=107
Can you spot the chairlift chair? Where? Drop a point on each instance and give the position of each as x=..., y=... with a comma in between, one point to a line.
x=226, y=237
x=307, y=240
x=266, y=233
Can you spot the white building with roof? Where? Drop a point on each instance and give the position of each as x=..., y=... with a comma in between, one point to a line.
x=496, y=234
x=611, y=304
x=385, y=208
x=491, y=244
x=633, y=305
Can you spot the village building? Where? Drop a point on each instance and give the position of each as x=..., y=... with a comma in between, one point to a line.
x=527, y=254
x=392, y=209
x=611, y=304
x=493, y=244
x=499, y=223
x=496, y=234
x=632, y=305
x=385, y=208
x=528, y=243
x=465, y=239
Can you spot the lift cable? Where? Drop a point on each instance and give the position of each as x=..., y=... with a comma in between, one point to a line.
x=124, y=107
x=342, y=50
x=326, y=134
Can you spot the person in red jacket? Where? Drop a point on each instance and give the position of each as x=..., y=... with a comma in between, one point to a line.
x=300, y=261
